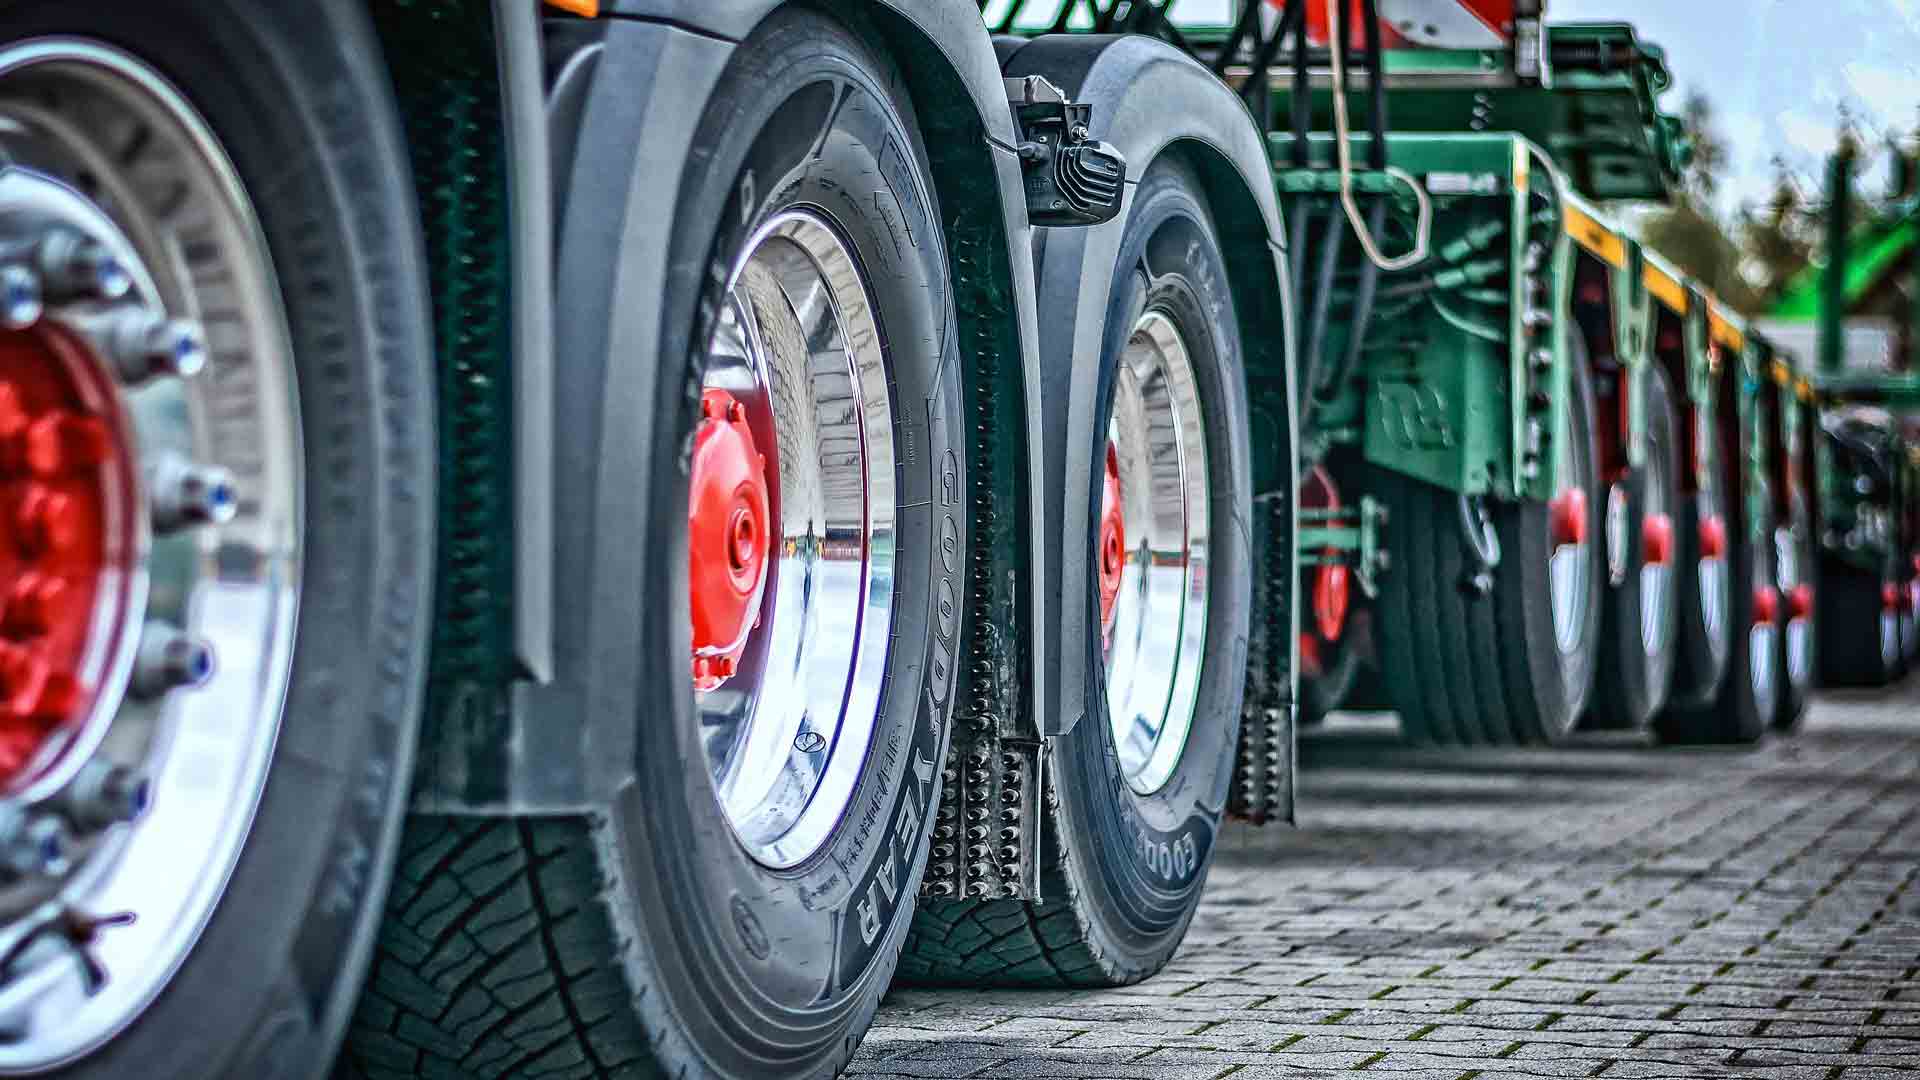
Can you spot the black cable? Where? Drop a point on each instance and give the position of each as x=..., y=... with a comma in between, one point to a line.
x=1362, y=303
x=1376, y=85
x=1296, y=20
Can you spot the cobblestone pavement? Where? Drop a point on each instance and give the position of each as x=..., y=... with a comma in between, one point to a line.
x=1609, y=910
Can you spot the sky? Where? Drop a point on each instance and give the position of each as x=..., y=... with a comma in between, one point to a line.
x=1777, y=72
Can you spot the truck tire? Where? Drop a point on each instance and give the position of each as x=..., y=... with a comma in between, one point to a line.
x=1859, y=635
x=1703, y=597
x=1133, y=818
x=1333, y=687
x=1639, y=643
x=1751, y=694
x=737, y=911
x=1500, y=667
x=1793, y=546
x=269, y=519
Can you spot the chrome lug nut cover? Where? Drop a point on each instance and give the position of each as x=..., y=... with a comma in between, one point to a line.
x=20, y=299
x=32, y=843
x=169, y=659
x=183, y=494
x=144, y=345
x=74, y=266
x=104, y=794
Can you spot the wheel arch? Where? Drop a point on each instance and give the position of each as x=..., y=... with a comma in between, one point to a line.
x=1151, y=100
x=624, y=98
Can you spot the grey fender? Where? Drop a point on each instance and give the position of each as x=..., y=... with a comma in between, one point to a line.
x=624, y=96
x=1148, y=99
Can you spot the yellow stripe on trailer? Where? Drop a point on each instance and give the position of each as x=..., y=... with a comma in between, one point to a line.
x=1595, y=237
x=1724, y=330
x=588, y=8
x=1782, y=374
x=1666, y=288
x=1804, y=391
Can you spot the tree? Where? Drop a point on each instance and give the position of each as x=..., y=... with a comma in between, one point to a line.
x=1690, y=232
x=1778, y=240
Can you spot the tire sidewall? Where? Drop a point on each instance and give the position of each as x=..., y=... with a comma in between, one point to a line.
x=750, y=956
x=268, y=987
x=1145, y=856
x=1642, y=678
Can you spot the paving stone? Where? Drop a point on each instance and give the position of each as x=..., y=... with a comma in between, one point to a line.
x=1609, y=910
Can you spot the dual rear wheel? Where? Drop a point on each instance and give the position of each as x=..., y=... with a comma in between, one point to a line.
x=1140, y=783
x=1507, y=656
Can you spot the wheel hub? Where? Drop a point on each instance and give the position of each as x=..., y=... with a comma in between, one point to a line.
x=130, y=561
x=1113, y=540
x=728, y=526
x=791, y=520
x=1656, y=540
x=1800, y=602
x=1713, y=537
x=69, y=545
x=1567, y=517
x=1766, y=605
x=1332, y=589
x=1157, y=643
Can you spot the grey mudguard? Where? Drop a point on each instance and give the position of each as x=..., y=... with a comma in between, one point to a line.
x=1147, y=96
x=634, y=92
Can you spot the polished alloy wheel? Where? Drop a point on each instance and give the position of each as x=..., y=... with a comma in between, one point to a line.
x=1156, y=624
x=1765, y=626
x=1797, y=594
x=791, y=515
x=1656, y=556
x=151, y=544
x=1571, y=566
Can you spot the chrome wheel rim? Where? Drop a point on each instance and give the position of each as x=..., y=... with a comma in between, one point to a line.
x=155, y=789
x=787, y=729
x=1570, y=569
x=1791, y=575
x=1890, y=644
x=1154, y=634
x=1710, y=571
x=1656, y=576
x=1760, y=635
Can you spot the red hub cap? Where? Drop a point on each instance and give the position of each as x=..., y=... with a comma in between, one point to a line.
x=1312, y=665
x=1800, y=602
x=1332, y=589
x=1766, y=605
x=1713, y=537
x=1656, y=540
x=1890, y=596
x=729, y=531
x=1113, y=540
x=1567, y=517
x=68, y=538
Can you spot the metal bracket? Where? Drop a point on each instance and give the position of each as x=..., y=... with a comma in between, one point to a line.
x=1071, y=180
x=1354, y=533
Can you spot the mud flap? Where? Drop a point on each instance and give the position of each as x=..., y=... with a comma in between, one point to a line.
x=1263, y=780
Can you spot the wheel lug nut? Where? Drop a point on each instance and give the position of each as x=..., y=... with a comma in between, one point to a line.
x=46, y=521
x=34, y=604
x=143, y=345
x=20, y=303
x=106, y=794
x=183, y=494
x=32, y=843
x=168, y=659
x=76, y=267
